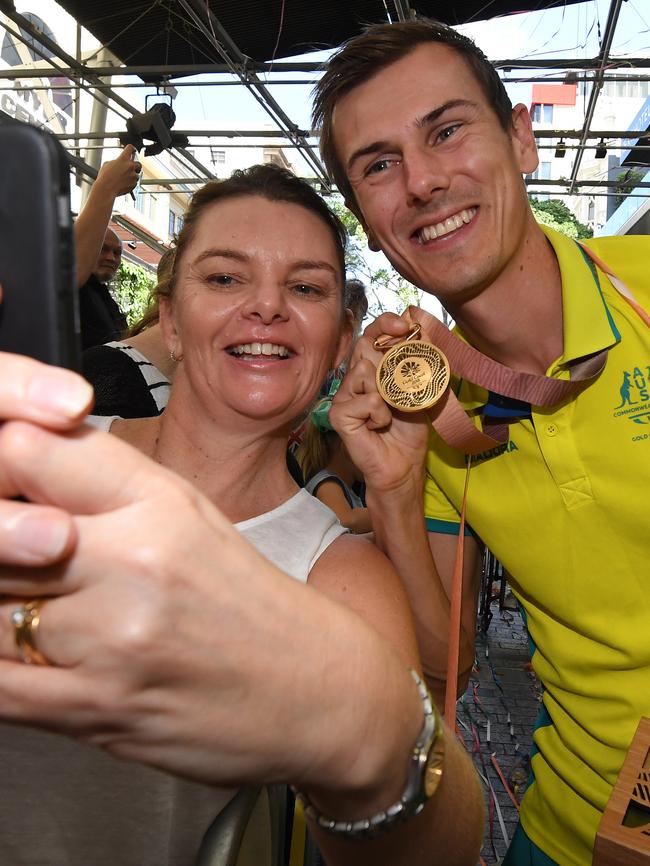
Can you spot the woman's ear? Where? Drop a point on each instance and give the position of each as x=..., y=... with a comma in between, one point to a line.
x=168, y=328
x=345, y=339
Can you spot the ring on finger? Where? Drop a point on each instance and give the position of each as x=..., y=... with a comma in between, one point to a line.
x=25, y=620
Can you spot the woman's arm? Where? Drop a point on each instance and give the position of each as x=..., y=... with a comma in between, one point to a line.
x=356, y=519
x=355, y=573
x=173, y=642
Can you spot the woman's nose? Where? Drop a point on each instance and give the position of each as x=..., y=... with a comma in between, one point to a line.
x=269, y=303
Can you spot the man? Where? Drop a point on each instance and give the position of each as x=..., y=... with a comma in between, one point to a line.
x=101, y=318
x=436, y=181
x=99, y=251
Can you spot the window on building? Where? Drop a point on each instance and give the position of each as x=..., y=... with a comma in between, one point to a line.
x=542, y=172
x=218, y=157
x=171, y=228
x=542, y=113
x=153, y=206
x=139, y=199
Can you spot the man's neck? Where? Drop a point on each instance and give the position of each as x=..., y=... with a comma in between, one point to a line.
x=517, y=320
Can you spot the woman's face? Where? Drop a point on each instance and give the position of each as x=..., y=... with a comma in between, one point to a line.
x=257, y=309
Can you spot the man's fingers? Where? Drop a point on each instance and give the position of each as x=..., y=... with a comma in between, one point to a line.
x=31, y=391
x=128, y=152
x=388, y=323
x=425, y=320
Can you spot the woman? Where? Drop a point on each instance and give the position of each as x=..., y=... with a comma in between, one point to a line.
x=172, y=641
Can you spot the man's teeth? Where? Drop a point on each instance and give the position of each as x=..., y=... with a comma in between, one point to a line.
x=260, y=349
x=430, y=233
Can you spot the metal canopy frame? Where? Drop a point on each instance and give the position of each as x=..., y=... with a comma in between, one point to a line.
x=226, y=57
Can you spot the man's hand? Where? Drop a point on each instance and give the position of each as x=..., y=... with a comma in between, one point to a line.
x=387, y=447
x=119, y=176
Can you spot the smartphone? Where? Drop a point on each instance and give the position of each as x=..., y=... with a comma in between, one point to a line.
x=39, y=314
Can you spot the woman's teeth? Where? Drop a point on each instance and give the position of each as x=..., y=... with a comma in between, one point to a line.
x=260, y=349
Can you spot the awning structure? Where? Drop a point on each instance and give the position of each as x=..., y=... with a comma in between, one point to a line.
x=164, y=41
x=637, y=154
x=179, y=32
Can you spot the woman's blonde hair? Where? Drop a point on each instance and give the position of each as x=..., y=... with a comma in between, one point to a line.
x=316, y=449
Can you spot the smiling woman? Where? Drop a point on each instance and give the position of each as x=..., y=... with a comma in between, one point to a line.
x=171, y=640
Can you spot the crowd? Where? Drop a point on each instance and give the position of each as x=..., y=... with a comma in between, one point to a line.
x=187, y=607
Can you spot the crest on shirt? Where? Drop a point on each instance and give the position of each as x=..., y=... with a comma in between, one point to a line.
x=634, y=396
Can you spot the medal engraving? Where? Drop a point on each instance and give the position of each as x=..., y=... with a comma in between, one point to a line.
x=413, y=376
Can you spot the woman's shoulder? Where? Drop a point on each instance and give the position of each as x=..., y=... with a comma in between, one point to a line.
x=294, y=534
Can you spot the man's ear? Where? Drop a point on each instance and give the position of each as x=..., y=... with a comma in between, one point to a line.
x=523, y=139
x=168, y=328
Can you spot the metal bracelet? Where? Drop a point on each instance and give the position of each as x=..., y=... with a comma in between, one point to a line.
x=414, y=797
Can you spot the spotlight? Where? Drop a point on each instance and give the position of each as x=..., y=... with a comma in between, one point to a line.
x=560, y=149
x=132, y=244
x=601, y=149
x=154, y=125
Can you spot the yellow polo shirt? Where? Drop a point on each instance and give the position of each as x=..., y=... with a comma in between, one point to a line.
x=565, y=505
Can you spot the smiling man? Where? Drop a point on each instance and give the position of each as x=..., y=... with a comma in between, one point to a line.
x=424, y=144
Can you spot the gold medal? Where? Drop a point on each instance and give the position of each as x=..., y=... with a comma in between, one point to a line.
x=413, y=375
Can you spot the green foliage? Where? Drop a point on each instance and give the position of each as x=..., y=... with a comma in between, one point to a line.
x=132, y=289
x=555, y=214
x=627, y=181
x=386, y=289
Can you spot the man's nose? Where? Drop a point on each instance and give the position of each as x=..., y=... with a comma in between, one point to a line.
x=424, y=175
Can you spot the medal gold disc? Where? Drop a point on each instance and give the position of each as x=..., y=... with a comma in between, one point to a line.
x=413, y=376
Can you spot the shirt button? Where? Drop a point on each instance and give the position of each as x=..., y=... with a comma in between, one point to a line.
x=551, y=429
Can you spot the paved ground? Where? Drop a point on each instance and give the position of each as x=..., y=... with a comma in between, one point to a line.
x=496, y=717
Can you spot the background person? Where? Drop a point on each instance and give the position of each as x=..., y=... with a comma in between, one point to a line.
x=329, y=473
x=437, y=183
x=99, y=250
x=132, y=377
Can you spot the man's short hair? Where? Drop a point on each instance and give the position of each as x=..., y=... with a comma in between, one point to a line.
x=379, y=46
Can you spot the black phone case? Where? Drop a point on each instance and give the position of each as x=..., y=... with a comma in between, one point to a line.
x=39, y=310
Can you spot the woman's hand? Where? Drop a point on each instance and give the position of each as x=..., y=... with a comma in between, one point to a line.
x=55, y=398
x=173, y=642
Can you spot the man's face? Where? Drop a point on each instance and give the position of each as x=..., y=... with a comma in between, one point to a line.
x=109, y=257
x=437, y=181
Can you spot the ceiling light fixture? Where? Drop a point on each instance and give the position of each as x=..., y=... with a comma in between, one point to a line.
x=560, y=149
x=601, y=149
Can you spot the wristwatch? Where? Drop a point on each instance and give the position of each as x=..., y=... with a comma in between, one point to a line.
x=424, y=775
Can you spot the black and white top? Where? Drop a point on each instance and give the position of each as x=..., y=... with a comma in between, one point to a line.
x=126, y=383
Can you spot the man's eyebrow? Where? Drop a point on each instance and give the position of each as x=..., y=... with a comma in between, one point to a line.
x=428, y=119
x=434, y=115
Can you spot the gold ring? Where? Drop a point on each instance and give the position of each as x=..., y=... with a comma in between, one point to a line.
x=385, y=342
x=25, y=620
